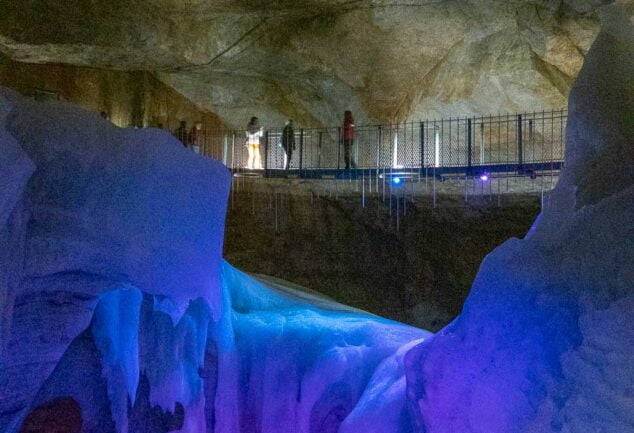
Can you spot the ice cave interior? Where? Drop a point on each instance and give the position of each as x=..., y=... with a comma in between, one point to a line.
x=119, y=313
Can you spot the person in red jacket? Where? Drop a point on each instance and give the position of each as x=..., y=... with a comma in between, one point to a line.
x=348, y=138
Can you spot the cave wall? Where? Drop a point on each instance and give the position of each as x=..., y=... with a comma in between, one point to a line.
x=310, y=60
x=131, y=98
x=419, y=274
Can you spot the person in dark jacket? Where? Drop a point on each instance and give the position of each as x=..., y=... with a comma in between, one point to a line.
x=288, y=142
x=348, y=138
x=181, y=133
x=196, y=137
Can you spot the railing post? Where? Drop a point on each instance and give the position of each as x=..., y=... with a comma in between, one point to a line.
x=301, y=151
x=520, y=144
x=482, y=145
x=394, y=138
x=436, y=145
x=224, y=149
x=378, y=148
x=319, y=150
x=266, y=152
x=531, y=142
x=233, y=150
x=339, y=144
x=378, y=155
x=422, y=144
x=469, y=144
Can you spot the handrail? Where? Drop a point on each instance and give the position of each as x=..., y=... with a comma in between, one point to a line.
x=519, y=141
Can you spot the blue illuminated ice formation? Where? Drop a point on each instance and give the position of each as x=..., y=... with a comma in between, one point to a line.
x=119, y=298
x=544, y=342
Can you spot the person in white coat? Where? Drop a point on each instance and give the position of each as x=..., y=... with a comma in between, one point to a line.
x=254, y=133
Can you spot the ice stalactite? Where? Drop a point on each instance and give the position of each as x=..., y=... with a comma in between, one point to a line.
x=173, y=358
x=115, y=329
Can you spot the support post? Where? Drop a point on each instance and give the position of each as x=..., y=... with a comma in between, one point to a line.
x=339, y=144
x=319, y=150
x=520, y=144
x=531, y=141
x=266, y=152
x=469, y=144
x=224, y=150
x=436, y=145
x=301, y=150
x=378, y=148
x=233, y=150
x=422, y=145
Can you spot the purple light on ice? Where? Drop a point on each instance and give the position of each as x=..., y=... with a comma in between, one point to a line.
x=484, y=177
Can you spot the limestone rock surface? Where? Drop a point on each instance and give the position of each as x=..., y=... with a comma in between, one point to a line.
x=388, y=61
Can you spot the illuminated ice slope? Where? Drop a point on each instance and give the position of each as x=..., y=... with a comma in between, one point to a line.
x=114, y=293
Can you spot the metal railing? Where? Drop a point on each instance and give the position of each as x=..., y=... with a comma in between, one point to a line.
x=524, y=143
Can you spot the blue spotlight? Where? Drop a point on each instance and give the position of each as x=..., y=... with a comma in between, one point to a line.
x=396, y=180
x=484, y=177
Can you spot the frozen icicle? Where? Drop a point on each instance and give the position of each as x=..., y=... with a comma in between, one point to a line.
x=115, y=328
x=173, y=356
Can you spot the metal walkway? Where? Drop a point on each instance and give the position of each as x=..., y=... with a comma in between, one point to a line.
x=525, y=144
x=530, y=170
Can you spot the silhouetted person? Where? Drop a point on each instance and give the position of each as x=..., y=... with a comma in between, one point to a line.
x=254, y=134
x=348, y=138
x=288, y=143
x=195, y=139
x=181, y=133
x=104, y=115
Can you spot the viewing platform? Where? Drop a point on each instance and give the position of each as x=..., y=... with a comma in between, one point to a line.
x=486, y=148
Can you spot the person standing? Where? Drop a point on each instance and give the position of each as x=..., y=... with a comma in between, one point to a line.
x=254, y=133
x=181, y=133
x=288, y=143
x=196, y=137
x=348, y=138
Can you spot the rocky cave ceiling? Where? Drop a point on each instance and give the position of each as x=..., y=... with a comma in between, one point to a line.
x=387, y=60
